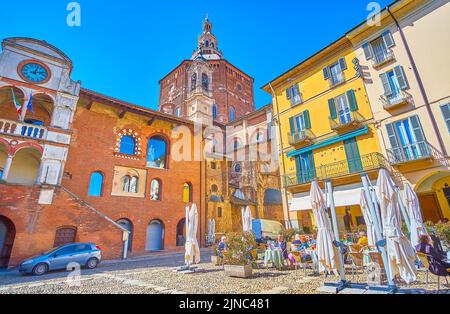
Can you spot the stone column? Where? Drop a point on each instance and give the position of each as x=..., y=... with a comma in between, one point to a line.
x=7, y=168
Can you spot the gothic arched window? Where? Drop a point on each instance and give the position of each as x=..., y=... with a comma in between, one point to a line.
x=155, y=190
x=232, y=114
x=205, y=82
x=96, y=184
x=193, y=81
x=126, y=183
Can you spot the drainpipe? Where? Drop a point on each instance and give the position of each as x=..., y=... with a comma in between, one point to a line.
x=419, y=81
x=283, y=166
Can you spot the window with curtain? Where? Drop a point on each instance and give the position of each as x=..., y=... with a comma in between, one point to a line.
x=96, y=184
x=128, y=145
x=134, y=182
x=126, y=184
x=157, y=153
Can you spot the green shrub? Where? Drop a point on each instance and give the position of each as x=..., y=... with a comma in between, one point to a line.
x=239, y=247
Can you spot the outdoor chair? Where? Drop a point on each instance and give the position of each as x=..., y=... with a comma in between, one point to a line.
x=424, y=259
x=357, y=259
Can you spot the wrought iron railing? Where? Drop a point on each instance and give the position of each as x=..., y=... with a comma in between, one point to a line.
x=414, y=152
x=397, y=99
x=300, y=136
x=339, y=169
x=342, y=121
x=383, y=58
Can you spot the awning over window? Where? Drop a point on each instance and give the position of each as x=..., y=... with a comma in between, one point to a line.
x=348, y=195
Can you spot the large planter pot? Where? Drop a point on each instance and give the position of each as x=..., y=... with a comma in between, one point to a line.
x=216, y=260
x=239, y=271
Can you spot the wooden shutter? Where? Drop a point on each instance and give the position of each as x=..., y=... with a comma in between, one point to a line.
x=391, y=134
x=401, y=77
x=307, y=119
x=332, y=106
x=386, y=85
x=288, y=93
x=297, y=91
x=292, y=124
x=367, y=51
x=388, y=39
x=342, y=64
x=326, y=73
x=417, y=128
x=352, y=100
x=446, y=114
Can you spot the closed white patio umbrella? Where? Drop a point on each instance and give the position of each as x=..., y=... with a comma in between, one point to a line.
x=327, y=253
x=401, y=255
x=415, y=216
x=192, y=254
x=371, y=234
x=248, y=219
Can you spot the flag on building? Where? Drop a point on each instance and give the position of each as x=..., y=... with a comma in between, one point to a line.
x=30, y=104
x=16, y=103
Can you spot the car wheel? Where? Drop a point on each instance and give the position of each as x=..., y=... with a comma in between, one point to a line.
x=40, y=269
x=92, y=263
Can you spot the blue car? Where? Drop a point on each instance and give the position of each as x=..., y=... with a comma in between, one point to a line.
x=84, y=254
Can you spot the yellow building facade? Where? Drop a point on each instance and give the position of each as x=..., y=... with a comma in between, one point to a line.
x=325, y=132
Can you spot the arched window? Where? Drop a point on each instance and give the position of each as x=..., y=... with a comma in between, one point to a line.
x=96, y=184
x=178, y=112
x=214, y=188
x=232, y=114
x=157, y=153
x=155, y=190
x=214, y=111
x=65, y=235
x=236, y=144
x=207, y=43
x=127, y=145
x=134, y=183
x=205, y=82
x=193, y=81
x=238, y=168
x=126, y=183
x=187, y=193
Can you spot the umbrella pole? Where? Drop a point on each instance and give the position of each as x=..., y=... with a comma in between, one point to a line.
x=404, y=212
x=329, y=186
x=366, y=184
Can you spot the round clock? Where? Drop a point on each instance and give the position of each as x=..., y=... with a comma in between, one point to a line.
x=34, y=72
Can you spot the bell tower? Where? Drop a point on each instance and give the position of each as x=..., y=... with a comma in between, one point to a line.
x=200, y=99
x=207, y=43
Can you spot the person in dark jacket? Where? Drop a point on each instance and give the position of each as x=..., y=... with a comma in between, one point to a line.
x=438, y=264
x=282, y=245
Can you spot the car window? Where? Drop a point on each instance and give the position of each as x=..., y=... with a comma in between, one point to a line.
x=66, y=250
x=82, y=248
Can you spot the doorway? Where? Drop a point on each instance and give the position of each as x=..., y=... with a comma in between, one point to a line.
x=7, y=236
x=155, y=236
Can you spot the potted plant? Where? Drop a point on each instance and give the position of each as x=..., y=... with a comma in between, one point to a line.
x=237, y=257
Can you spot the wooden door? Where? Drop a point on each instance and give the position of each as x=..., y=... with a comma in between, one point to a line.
x=431, y=210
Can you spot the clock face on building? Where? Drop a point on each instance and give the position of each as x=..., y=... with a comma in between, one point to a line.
x=34, y=72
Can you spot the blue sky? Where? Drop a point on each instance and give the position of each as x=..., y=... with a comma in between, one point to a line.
x=123, y=48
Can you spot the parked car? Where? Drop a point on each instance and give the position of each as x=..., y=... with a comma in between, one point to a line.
x=85, y=254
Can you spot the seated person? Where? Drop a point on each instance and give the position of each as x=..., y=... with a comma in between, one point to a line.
x=299, y=246
x=222, y=247
x=363, y=240
x=438, y=264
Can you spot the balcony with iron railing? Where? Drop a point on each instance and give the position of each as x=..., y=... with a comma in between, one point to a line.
x=22, y=129
x=416, y=152
x=382, y=58
x=396, y=100
x=346, y=121
x=336, y=170
x=302, y=137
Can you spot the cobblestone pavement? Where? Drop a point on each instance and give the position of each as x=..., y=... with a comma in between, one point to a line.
x=157, y=275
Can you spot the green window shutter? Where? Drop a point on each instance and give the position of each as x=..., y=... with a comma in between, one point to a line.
x=326, y=73
x=388, y=39
x=292, y=124
x=288, y=93
x=446, y=113
x=342, y=64
x=417, y=128
x=332, y=106
x=391, y=134
x=307, y=119
x=297, y=91
x=352, y=100
x=401, y=77
x=386, y=85
x=367, y=51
